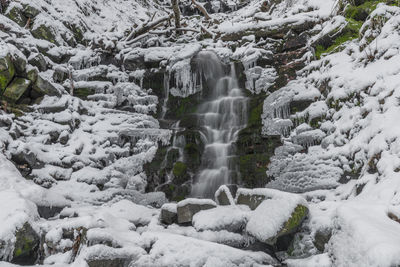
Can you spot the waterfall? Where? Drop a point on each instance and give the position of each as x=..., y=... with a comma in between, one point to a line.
x=221, y=117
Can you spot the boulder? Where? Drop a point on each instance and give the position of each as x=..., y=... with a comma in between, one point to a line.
x=38, y=61
x=26, y=246
x=30, y=11
x=44, y=32
x=16, y=89
x=190, y=206
x=43, y=87
x=321, y=238
x=47, y=212
x=7, y=71
x=277, y=218
x=117, y=262
x=60, y=74
x=19, y=61
x=169, y=214
x=249, y=197
x=15, y=14
x=225, y=194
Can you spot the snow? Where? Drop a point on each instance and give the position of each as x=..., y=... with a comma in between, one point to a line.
x=269, y=217
x=196, y=201
x=232, y=218
x=227, y=192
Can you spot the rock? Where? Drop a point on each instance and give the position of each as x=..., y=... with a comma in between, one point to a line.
x=44, y=32
x=38, y=61
x=118, y=262
x=15, y=14
x=225, y=195
x=32, y=74
x=43, y=87
x=277, y=218
x=251, y=199
x=30, y=11
x=190, y=206
x=180, y=172
x=321, y=238
x=169, y=214
x=60, y=74
x=7, y=72
x=47, y=212
x=26, y=246
x=19, y=61
x=16, y=89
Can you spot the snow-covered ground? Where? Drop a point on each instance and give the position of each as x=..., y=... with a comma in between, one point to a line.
x=87, y=156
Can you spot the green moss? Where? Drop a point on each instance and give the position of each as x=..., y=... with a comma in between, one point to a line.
x=179, y=169
x=297, y=217
x=16, y=89
x=44, y=32
x=83, y=93
x=7, y=72
x=350, y=32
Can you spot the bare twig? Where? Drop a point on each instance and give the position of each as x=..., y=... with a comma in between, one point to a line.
x=202, y=9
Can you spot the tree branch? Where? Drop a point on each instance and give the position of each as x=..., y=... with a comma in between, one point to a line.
x=202, y=9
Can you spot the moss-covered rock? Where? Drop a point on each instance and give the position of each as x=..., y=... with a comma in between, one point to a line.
x=16, y=89
x=38, y=61
x=44, y=32
x=284, y=237
x=30, y=11
x=26, y=246
x=15, y=14
x=180, y=172
x=7, y=72
x=43, y=87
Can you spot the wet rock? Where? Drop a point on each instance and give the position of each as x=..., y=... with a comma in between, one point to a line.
x=225, y=195
x=47, y=212
x=169, y=214
x=7, y=72
x=16, y=89
x=189, y=207
x=180, y=172
x=38, y=61
x=175, y=192
x=321, y=238
x=26, y=246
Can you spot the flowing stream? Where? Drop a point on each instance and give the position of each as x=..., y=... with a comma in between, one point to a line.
x=221, y=117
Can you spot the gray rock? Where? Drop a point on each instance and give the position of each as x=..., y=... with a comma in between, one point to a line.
x=189, y=207
x=44, y=87
x=49, y=211
x=15, y=14
x=226, y=192
x=30, y=11
x=118, y=262
x=169, y=214
x=26, y=246
x=19, y=62
x=60, y=74
x=16, y=89
x=321, y=238
x=38, y=61
x=251, y=200
x=7, y=71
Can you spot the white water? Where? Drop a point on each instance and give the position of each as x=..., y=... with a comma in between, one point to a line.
x=220, y=118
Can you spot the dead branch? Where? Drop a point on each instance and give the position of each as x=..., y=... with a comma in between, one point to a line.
x=147, y=27
x=202, y=9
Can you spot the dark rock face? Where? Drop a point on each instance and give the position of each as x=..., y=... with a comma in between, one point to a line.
x=26, y=246
x=321, y=238
x=222, y=196
x=186, y=211
x=252, y=200
x=168, y=215
x=38, y=61
x=47, y=212
x=7, y=72
x=118, y=262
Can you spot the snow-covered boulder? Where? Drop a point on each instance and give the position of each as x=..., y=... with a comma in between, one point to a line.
x=279, y=215
x=225, y=194
x=169, y=214
x=251, y=197
x=230, y=218
x=190, y=206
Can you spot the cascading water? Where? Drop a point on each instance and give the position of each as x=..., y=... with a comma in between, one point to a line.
x=220, y=117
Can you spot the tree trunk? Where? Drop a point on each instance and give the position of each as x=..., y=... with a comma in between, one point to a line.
x=177, y=13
